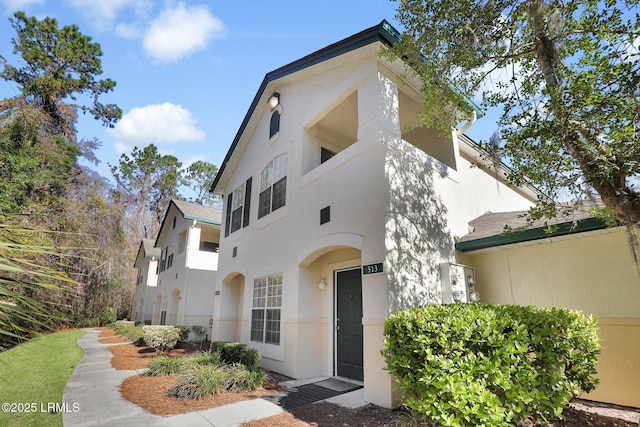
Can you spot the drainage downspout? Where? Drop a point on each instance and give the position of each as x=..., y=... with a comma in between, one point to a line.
x=186, y=271
x=466, y=126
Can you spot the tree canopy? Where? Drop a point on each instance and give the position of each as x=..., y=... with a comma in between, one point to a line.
x=60, y=64
x=566, y=75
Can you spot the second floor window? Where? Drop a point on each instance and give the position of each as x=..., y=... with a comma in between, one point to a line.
x=273, y=186
x=238, y=208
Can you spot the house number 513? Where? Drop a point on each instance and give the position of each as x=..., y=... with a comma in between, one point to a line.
x=372, y=268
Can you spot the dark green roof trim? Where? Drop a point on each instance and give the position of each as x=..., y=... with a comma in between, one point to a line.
x=532, y=234
x=205, y=220
x=383, y=32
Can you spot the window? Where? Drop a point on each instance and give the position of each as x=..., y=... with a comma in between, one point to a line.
x=163, y=260
x=238, y=208
x=274, y=125
x=273, y=186
x=209, y=246
x=266, y=313
x=326, y=154
x=182, y=241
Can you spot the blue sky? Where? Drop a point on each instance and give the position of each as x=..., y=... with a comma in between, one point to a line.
x=187, y=71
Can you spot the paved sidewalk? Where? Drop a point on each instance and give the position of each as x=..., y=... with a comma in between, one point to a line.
x=93, y=390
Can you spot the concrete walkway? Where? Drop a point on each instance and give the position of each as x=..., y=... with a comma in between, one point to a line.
x=93, y=397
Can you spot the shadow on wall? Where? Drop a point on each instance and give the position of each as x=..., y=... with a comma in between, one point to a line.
x=417, y=232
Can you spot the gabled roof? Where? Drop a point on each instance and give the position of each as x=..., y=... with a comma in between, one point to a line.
x=200, y=213
x=384, y=32
x=489, y=230
x=146, y=250
x=192, y=211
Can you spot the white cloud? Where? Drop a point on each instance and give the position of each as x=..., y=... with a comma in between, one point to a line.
x=13, y=5
x=102, y=13
x=179, y=32
x=128, y=31
x=157, y=124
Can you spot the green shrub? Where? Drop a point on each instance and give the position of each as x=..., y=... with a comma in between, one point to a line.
x=241, y=378
x=202, y=380
x=133, y=333
x=476, y=364
x=234, y=352
x=165, y=365
x=198, y=382
x=199, y=331
x=168, y=365
x=184, y=332
x=125, y=324
x=161, y=337
x=204, y=358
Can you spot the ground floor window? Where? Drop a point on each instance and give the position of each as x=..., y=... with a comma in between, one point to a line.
x=266, y=312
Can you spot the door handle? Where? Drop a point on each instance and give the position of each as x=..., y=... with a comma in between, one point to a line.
x=337, y=328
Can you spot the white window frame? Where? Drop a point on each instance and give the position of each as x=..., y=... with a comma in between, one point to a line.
x=266, y=301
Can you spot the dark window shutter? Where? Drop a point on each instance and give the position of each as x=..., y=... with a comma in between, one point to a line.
x=227, y=221
x=275, y=123
x=247, y=203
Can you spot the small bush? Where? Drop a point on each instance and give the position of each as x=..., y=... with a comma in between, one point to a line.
x=184, y=332
x=198, y=382
x=203, y=380
x=476, y=364
x=165, y=365
x=161, y=337
x=205, y=358
x=125, y=324
x=241, y=378
x=200, y=332
x=233, y=352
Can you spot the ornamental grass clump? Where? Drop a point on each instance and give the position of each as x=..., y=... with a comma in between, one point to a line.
x=161, y=337
x=165, y=365
x=203, y=380
x=477, y=364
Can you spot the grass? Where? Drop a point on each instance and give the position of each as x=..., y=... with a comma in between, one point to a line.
x=35, y=373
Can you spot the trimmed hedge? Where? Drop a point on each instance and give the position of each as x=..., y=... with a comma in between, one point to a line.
x=234, y=352
x=478, y=364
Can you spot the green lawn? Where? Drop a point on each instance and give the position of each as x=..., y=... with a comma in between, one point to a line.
x=33, y=376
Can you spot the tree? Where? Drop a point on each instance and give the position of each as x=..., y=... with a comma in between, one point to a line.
x=199, y=176
x=147, y=181
x=60, y=64
x=566, y=75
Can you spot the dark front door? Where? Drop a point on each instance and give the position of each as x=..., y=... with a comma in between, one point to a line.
x=349, y=324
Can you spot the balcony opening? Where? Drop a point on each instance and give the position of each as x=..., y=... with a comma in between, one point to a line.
x=334, y=132
x=425, y=139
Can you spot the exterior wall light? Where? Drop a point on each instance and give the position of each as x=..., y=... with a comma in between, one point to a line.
x=274, y=100
x=322, y=283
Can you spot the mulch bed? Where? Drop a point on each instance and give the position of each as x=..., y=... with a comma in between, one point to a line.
x=151, y=393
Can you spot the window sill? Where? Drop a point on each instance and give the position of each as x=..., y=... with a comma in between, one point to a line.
x=272, y=217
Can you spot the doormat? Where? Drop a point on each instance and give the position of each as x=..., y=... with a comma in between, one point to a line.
x=310, y=393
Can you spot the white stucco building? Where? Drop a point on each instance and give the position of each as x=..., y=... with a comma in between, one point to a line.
x=188, y=242
x=146, y=281
x=339, y=208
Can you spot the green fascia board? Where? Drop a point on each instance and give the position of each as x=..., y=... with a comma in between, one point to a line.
x=539, y=233
x=205, y=220
x=383, y=32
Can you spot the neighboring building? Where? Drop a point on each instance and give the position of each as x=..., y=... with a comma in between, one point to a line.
x=146, y=282
x=584, y=266
x=188, y=241
x=340, y=208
